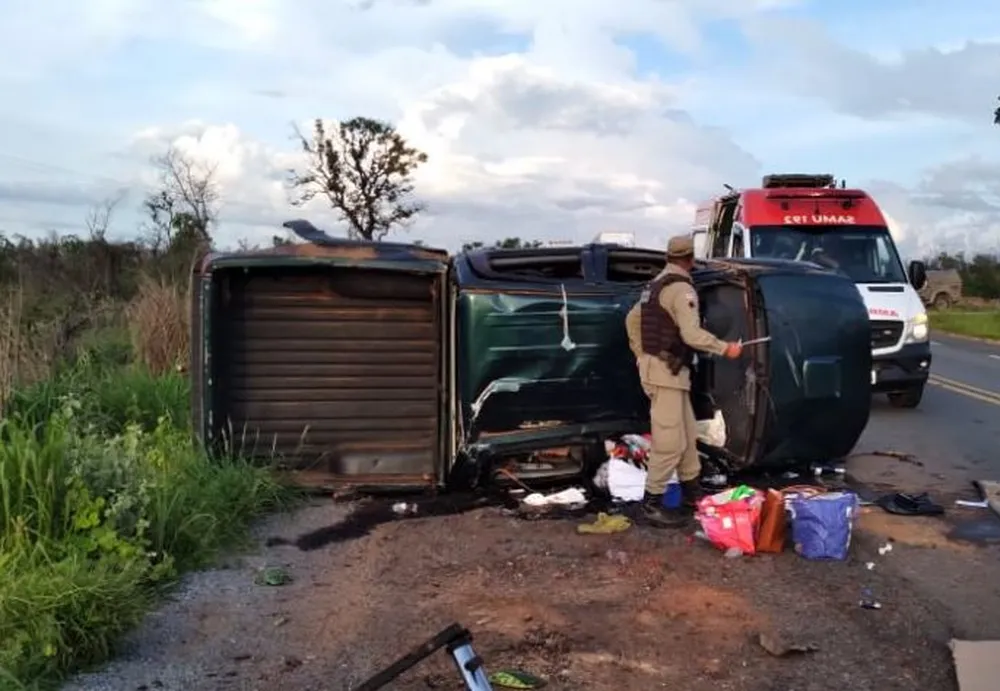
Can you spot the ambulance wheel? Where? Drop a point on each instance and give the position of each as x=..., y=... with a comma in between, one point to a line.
x=910, y=398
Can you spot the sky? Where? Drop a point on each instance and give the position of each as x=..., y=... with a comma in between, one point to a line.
x=549, y=120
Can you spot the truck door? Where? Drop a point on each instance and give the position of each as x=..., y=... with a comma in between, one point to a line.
x=721, y=232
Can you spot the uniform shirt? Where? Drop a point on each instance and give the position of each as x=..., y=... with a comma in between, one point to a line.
x=681, y=302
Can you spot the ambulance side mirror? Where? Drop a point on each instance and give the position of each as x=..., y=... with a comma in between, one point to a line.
x=918, y=274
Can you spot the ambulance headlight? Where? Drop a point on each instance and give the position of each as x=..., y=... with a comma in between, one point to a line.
x=919, y=329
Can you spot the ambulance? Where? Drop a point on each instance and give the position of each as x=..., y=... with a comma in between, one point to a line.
x=801, y=217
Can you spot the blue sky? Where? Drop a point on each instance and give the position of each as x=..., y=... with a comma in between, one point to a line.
x=513, y=100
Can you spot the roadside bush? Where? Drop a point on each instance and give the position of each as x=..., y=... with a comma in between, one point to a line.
x=104, y=498
x=109, y=396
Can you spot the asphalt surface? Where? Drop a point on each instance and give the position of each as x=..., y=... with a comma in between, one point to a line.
x=955, y=432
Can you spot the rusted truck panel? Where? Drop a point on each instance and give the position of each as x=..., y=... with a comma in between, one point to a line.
x=327, y=359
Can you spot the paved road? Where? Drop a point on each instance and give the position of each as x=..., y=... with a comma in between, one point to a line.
x=955, y=438
x=956, y=430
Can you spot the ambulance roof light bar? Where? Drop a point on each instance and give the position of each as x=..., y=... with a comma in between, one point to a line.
x=801, y=180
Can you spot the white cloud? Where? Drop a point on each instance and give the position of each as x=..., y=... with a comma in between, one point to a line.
x=957, y=81
x=534, y=115
x=515, y=149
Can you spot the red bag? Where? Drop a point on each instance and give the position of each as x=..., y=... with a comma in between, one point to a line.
x=729, y=522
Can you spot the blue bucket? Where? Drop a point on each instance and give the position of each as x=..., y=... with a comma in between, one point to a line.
x=672, y=497
x=822, y=524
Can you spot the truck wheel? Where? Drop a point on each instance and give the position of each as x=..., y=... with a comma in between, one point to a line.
x=942, y=301
x=910, y=398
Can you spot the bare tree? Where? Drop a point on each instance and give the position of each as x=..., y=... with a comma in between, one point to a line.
x=187, y=201
x=996, y=115
x=364, y=168
x=99, y=216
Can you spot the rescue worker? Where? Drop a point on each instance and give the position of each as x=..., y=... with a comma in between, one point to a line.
x=664, y=330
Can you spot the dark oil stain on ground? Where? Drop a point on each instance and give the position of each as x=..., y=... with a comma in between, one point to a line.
x=377, y=511
x=984, y=530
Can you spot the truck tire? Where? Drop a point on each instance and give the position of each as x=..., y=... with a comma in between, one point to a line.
x=942, y=301
x=910, y=398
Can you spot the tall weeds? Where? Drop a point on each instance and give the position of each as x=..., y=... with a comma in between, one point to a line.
x=104, y=497
x=159, y=325
x=21, y=358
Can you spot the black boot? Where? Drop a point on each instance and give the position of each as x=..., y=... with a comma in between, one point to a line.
x=654, y=513
x=691, y=494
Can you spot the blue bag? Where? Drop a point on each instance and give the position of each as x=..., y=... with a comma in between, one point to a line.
x=821, y=524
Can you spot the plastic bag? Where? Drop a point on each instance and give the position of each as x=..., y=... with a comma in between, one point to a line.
x=822, y=524
x=713, y=430
x=730, y=519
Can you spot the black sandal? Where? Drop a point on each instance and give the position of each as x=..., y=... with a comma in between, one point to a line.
x=903, y=504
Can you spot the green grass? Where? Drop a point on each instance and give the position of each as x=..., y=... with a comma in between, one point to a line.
x=975, y=323
x=104, y=500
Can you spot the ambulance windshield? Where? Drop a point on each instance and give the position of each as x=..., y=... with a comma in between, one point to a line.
x=866, y=254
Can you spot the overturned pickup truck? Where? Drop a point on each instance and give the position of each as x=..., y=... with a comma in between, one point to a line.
x=397, y=366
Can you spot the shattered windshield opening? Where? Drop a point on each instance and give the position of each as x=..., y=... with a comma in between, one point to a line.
x=865, y=254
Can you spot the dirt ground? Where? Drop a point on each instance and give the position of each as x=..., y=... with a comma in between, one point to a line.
x=642, y=609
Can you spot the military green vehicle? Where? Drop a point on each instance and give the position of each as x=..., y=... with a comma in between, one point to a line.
x=396, y=366
x=943, y=289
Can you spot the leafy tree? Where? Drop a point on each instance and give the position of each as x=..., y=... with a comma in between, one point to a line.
x=364, y=168
x=996, y=115
x=185, y=204
x=505, y=244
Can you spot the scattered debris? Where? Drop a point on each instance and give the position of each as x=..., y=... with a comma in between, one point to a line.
x=403, y=509
x=885, y=549
x=977, y=664
x=458, y=642
x=713, y=430
x=868, y=600
x=515, y=679
x=272, y=575
x=605, y=524
x=903, y=504
x=718, y=480
x=617, y=556
x=733, y=553
x=780, y=645
x=990, y=491
x=572, y=498
x=972, y=504
x=822, y=469
x=621, y=479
